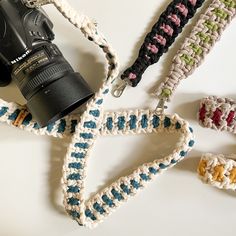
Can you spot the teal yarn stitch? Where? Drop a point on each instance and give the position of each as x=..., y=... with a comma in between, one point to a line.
x=163, y=166
x=88, y=213
x=78, y=155
x=117, y=195
x=73, y=125
x=86, y=135
x=82, y=145
x=36, y=126
x=62, y=126
x=90, y=125
x=132, y=122
x=74, y=176
x=14, y=115
x=73, y=201
x=173, y=161
x=73, y=189
x=125, y=188
x=27, y=120
x=106, y=91
x=121, y=122
x=135, y=184
x=95, y=113
x=108, y=201
x=153, y=170
x=144, y=121
x=74, y=214
x=144, y=177
x=50, y=127
x=183, y=153
x=109, y=123
x=191, y=143
x=178, y=125
x=3, y=111
x=75, y=165
x=167, y=122
x=99, y=102
x=155, y=121
x=98, y=208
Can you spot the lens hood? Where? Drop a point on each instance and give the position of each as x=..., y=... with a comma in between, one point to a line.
x=59, y=98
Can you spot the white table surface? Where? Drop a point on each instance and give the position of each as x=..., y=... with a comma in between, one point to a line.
x=177, y=203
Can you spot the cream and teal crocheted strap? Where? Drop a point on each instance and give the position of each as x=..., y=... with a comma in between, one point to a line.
x=193, y=51
x=89, y=212
x=93, y=123
x=218, y=170
x=118, y=123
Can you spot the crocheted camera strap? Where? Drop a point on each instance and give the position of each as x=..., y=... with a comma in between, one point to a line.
x=216, y=169
x=161, y=37
x=102, y=204
x=203, y=37
x=93, y=123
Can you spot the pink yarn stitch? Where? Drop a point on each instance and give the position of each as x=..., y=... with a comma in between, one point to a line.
x=174, y=18
x=132, y=76
x=160, y=39
x=182, y=9
x=193, y=2
x=152, y=48
x=167, y=29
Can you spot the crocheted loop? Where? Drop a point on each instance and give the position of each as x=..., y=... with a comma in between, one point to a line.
x=163, y=34
x=92, y=211
x=98, y=207
x=218, y=170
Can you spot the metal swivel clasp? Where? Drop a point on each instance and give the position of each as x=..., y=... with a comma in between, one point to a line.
x=161, y=106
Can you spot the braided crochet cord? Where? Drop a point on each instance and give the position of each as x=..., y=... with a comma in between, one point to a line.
x=161, y=37
x=218, y=114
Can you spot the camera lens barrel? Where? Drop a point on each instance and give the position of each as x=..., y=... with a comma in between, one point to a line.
x=49, y=84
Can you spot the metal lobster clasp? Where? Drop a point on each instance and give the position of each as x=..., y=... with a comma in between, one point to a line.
x=161, y=107
x=119, y=88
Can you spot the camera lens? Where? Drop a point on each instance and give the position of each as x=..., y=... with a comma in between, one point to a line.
x=49, y=84
x=5, y=75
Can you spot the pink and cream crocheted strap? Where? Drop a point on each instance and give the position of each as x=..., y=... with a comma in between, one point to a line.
x=218, y=113
x=218, y=170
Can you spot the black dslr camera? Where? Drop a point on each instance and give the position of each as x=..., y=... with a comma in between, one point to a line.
x=27, y=55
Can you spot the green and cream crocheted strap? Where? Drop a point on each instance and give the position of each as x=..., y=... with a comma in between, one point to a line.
x=203, y=36
x=218, y=170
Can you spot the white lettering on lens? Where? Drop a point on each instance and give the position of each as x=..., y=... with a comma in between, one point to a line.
x=21, y=57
